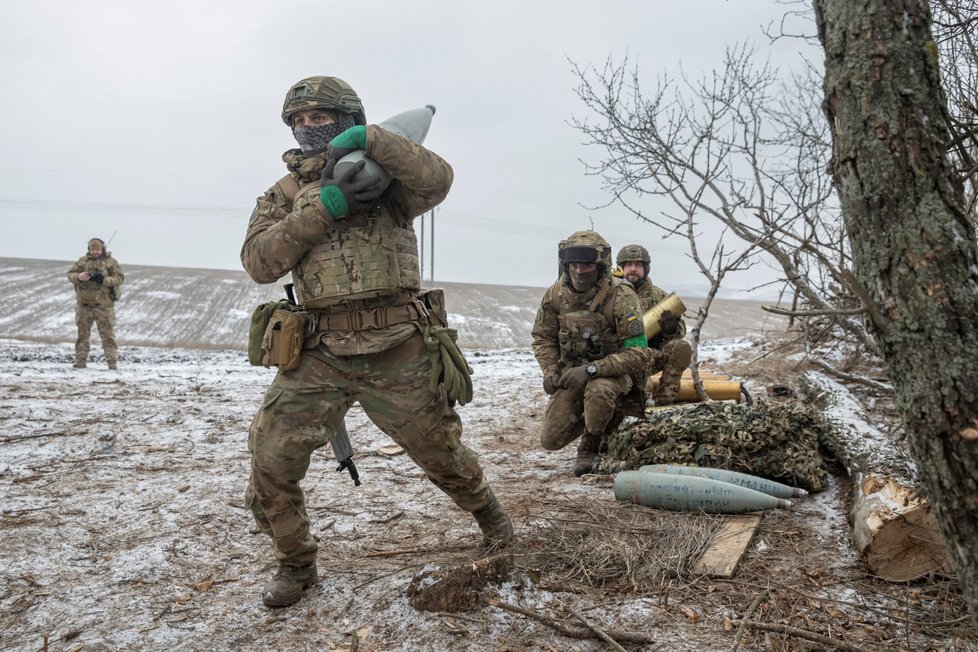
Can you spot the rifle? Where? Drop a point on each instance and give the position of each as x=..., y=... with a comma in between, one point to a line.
x=340, y=443
x=343, y=450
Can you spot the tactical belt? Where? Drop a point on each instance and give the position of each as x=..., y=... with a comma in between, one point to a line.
x=359, y=320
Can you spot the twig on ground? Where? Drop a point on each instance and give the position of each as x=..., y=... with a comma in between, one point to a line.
x=628, y=637
x=414, y=551
x=601, y=634
x=380, y=577
x=802, y=633
x=10, y=440
x=887, y=613
x=390, y=518
x=747, y=614
x=445, y=614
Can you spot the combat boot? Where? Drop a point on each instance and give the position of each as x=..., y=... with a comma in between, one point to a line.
x=497, y=529
x=79, y=365
x=113, y=366
x=587, y=450
x=288, y=584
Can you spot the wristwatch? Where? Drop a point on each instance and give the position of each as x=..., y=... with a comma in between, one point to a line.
x=591, y=369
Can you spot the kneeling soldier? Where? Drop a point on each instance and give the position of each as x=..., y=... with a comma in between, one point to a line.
x=590, y=343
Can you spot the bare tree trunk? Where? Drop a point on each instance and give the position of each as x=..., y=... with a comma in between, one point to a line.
x=912, y=245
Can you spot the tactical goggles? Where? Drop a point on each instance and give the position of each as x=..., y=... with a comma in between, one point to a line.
x=579, y=255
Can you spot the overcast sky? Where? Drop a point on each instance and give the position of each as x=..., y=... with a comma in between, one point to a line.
x=157, y=124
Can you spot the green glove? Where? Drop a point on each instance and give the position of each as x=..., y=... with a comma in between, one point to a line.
x=348, y=141
x=344, y=195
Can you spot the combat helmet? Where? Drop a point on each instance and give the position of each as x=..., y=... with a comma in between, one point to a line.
x=634, y=252
x=329, y=93
x=585, y=247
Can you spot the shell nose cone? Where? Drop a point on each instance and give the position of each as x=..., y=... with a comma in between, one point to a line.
x=432, y=107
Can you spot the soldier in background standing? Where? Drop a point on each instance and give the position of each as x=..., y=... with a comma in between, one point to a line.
x=671, y=354
x=352, y=250
x=97, y=278
x=590, y=343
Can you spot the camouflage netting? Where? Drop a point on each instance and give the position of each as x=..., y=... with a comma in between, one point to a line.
x=778, y=441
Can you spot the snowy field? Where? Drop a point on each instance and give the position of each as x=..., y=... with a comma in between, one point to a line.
x=122, y=524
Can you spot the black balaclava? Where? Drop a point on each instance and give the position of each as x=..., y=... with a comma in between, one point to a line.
x=313, y=140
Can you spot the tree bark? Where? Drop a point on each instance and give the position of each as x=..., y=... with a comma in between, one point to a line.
x=913, y=247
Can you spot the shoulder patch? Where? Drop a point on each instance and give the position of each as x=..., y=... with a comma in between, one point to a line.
x=635, y=326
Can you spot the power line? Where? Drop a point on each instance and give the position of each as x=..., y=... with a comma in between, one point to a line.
x=453, y=219
x=74, y=206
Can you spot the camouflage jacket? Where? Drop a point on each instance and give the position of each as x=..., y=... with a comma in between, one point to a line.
x=282, y=231
x=648, y=296
x=626, y=339
x=90, y=292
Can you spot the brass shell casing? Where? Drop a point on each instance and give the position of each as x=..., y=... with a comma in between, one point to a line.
x=650, y=320
x=718, y=390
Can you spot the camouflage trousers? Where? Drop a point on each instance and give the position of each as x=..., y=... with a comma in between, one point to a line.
x=672, y=359
x=591, y=408
x=303, y=408
x=104, y=318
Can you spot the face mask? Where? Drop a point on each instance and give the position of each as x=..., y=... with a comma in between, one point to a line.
x=315, y=139
x=583, y=282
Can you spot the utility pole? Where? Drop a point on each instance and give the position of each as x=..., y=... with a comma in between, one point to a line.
x=421, y=261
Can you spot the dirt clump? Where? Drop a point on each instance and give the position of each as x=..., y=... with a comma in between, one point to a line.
x=462, y=588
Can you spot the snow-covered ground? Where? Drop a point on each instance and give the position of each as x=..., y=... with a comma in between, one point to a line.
x=122, y=523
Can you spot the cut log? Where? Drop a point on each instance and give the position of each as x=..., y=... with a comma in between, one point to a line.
x=896, y=532
x=893, y=529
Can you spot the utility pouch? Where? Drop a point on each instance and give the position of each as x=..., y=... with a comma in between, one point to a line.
x=260, y=317
x=434, y=300
x=89, y=296
x=281, y=345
